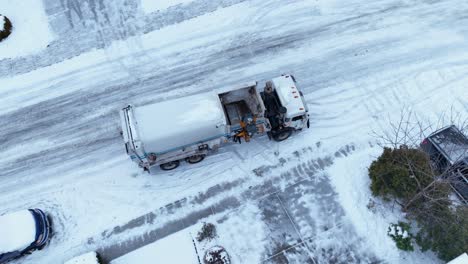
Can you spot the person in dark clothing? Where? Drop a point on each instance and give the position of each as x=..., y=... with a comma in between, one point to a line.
x=271, y=105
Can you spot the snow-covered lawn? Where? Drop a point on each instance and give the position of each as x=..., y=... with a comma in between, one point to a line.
x=242, y=234
x=31, y=32
x=176, y=248
x=159, y=5
x=349, y=176
x=87, y=258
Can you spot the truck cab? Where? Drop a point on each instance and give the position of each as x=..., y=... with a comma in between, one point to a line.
x=285, y=106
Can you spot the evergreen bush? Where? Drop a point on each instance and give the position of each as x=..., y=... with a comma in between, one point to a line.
x=404, y=175
x=395, y=174
x=400, y=233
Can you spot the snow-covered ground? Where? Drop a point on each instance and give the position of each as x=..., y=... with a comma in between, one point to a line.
x=176, y=248
x=184, y=247
x=463, y=258
x=154, y=5
x=31, y=32
x=359, y=64
x=87, y=258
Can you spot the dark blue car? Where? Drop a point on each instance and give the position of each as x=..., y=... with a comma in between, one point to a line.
x=23, y=232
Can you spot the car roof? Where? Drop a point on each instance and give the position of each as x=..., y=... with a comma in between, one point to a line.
x=451, y=142
x=17, y=231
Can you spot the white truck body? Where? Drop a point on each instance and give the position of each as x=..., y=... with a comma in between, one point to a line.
x=166, y=132
x=173, y=124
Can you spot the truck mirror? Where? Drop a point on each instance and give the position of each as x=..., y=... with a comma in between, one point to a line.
x=282, y=110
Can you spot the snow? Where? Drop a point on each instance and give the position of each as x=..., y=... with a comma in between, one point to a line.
x=405, y=234
x=176, y=248
x=17, y=230
x=456, y=151
x=43, y=83
x=179, y=247
x=240, y=238
x=160, y=5
x=355, y=195
x=30, y=33
x=172, y=124
x=327, y=6
x=87, y=258
x=398, y=231
x=462, y=259
x=359, y=64
x=452, y=142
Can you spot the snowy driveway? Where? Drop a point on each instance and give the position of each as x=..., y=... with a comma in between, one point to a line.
x=297, y=205
x=358, y=64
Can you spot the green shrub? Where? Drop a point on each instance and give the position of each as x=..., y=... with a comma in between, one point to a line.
x=445, y=233
x=405, y=175
x=397, y=171
x=400, y=233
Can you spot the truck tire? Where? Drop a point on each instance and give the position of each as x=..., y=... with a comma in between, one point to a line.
x=170, y=165
x=282, y=135
x=195, y=159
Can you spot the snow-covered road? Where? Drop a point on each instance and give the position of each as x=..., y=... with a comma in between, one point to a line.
x=358, y=63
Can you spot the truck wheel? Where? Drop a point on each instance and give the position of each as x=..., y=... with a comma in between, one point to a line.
x=195, y=158
x=282, y=135
x=49, y=219
x=170, y=165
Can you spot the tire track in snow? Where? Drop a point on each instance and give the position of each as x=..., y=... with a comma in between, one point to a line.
x=81, y=39
x=190, y=210
x=76, y=106
x=70, y=119
x=66, y=118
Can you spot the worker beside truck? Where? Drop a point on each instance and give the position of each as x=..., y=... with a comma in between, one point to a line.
x=189, y=128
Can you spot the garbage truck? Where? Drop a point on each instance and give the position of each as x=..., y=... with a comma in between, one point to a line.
x=189, y=128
